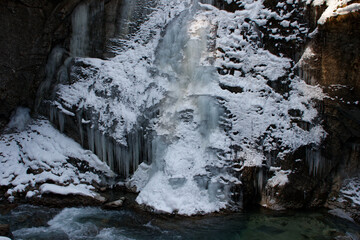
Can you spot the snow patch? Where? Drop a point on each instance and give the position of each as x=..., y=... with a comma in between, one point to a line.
x=334, y=8
x=80, y=189
x=279, y=179
x=350, y=191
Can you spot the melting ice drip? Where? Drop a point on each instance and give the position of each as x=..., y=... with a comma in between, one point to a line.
x=185, y=173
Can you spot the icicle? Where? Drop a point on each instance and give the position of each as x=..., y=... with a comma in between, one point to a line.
x=110, y=154
x=91, y=138
x=260, y=179
x=315, y=161
x=135, y=149
x=61, y=118
x=98, y=144
x=53, y=114
x=125, y=162
x=103, y=148
x=118, y=166
x=54, y=62
x=148, y=151
x=80, y=127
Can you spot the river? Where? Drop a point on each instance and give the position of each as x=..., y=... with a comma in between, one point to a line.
x=35, y=222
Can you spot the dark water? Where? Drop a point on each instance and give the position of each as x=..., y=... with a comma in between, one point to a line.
x=31, y=222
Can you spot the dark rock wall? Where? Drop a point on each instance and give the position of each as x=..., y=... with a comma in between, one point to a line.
x=338, y=48
x=335, y=66
x=28, y=31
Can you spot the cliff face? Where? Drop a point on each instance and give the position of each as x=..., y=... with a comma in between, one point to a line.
x=330, y=59
x=29, y=29
x=335, y=66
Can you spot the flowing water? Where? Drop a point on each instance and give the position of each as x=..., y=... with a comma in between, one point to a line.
x=30, y=222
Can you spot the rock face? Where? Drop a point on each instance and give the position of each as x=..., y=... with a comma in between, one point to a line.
x=324, y=175
x=337, y=69
x=29, y=29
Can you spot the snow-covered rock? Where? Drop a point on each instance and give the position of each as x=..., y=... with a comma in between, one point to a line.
x=40, y=154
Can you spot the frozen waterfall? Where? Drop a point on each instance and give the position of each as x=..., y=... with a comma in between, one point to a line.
x=187, y=100
x=185, y=174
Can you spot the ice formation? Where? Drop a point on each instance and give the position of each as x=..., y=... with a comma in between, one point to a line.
x=39, y=154
x=20, y=119
x=190, y=94
x=187, y=129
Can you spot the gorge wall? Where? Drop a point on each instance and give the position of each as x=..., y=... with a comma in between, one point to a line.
x=41, y=40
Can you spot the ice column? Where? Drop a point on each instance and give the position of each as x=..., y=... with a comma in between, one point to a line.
x=79, y=43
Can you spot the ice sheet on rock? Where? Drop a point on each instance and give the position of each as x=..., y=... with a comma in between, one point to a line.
x=39, y=154
x=187, y=129
x=205, y=119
